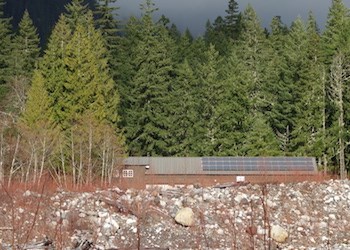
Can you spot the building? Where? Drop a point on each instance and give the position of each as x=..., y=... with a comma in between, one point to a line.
x=138, y=172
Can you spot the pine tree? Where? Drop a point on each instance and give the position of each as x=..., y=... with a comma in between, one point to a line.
x=216, y=35
x=75, y=66
x=260, y=139
x=38, y=111
x=251, y=49
x=106, y=22
x=76, y=12
x=89, y=85
x=335, y=41
x=26, y=48
x=309, y=135
x=209, y=97
x=54, y=68
x=233, y=20
x=148, y=127
x=5, y=48
x=337, y=31
x=185, y=115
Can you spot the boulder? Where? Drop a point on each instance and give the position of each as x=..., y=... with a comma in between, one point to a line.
x=185, y=217
x=279, y=234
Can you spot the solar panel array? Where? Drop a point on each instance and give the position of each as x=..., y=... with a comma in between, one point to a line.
x=258, y=164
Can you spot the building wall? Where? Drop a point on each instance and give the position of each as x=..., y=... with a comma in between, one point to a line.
x=141, y=179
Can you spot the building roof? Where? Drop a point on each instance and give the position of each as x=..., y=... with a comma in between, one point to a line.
x=224, y=165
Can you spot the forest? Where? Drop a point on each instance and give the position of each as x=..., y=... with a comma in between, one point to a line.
x=101, y=89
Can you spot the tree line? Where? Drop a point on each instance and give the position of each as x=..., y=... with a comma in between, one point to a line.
x=102, y=88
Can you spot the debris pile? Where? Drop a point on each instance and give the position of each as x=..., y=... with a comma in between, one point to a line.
x=305, y=215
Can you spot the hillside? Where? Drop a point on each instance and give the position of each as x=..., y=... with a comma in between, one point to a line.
x=299, y=216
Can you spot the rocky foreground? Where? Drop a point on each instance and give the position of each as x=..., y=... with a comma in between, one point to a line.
x=275, y=216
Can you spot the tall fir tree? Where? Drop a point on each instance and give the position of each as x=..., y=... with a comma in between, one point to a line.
x=337, y=31
x=216, y=34
x=107, y=23
x=260, y=139
x=209, y=96
x=309, y=135
x=233, y=20
x=149, y=114
x=75, y=66
x=54, y=70
x=335, y=41
x=76, y=12
x=38, y=112
x=25, y=48
x=185, y=116
x=251, y=48
x=5, y=48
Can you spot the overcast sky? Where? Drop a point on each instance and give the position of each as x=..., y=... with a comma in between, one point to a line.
x=194, y=13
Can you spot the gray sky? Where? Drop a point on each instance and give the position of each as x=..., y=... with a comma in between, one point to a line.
x=194, y=13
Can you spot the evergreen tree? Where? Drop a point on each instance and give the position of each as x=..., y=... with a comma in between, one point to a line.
x=309, y=135
x=260, y=139
x=76, y=12
x=38, y=112
x=5, y=48
x=184, y=119
x=126, y=69
x=216, y=34
x=251, y=49
x=335, y=41
x=209, y=95
x=106, y=21
x=54, y=68
x=89, y=85
x=233, y=20
x=75, y=66
x=26, y=48
x=148, y=127
x=337, y=31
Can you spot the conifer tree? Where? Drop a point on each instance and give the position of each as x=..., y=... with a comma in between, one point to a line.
x=148, y=127
x=54, y=68
x=89, y=85
x=107, y=22
x=260, y=139
x=76, y=12
x=309, y=135
x=38, y=111
x=26, y=48
x=336, y=35
x=252, y=53
x=233, y=20
x=5, y=48
x=209, y=96
x=185, y=112
x=75, y=66
x=216, y=34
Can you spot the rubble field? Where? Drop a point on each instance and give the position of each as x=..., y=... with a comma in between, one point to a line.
x=306, y=215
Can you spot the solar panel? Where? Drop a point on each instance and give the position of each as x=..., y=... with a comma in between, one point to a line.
x=258, y=164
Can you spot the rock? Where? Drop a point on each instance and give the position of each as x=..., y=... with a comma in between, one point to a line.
x=240, y=197
x=332, y=217
x=220, y=231
x=185, y=217
x=102, y=214
x=130, y=221
x=279, y=234
x=110, y=226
